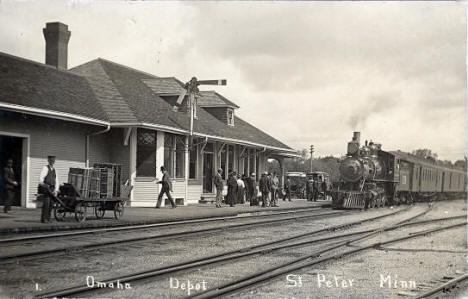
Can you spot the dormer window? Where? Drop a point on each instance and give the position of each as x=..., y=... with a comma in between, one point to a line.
x=230, y=116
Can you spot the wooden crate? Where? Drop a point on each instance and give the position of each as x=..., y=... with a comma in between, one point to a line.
x=117, y=173
x=107, y=182
x=86, y=181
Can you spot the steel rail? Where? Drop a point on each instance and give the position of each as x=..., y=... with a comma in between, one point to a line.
x=449, y=284
x=158, y=225
x=289, y=267
x=233, y=254
x=8, y=258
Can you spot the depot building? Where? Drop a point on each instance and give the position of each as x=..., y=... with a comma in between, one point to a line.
x=105, y=112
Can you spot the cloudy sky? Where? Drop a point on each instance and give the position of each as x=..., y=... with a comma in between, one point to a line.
x=307, y=73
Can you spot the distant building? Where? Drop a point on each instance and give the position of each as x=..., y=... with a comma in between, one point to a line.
x=104, y=112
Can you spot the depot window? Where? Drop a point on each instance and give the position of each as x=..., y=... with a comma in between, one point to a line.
x=146, y=153
x=193, y=163
x=230, y=117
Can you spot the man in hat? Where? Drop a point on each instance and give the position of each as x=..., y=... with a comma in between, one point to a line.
x=166, y=187
x=9, y=185
x=274, y=189
x=252, y=189
x=265, y=188
x=232, y=189
x=218, y=181
x=48, y=185
x=287, y=189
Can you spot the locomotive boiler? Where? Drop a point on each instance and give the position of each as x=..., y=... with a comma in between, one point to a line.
x=371, y=177
x=366, y=176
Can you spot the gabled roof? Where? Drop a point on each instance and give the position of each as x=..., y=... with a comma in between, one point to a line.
x=26, y=84
x=211, y=98
x=115, y=95
x=165, y=86
x=137, y=90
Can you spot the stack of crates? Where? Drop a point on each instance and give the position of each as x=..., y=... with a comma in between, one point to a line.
x=116, y=170
x=107, y=182
x=86, y=181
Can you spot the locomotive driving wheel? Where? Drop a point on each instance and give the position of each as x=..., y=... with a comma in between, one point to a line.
x=372, y=203
x=383, y=201
x=80, y=212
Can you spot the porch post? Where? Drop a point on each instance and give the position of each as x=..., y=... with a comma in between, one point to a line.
x=281, y=163
x=187, y=168
x=132, y=166
x=160, y=159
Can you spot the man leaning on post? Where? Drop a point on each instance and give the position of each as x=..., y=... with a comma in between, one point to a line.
x=48, y=183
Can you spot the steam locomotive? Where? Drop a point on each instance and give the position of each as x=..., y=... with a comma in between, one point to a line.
x=371, y=177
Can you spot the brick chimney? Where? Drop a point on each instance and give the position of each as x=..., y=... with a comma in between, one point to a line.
x=57, y=36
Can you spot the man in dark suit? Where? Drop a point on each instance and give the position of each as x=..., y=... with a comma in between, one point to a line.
x=166, y=187
x=252, y=189
x=232, y=189
x=218, y=181
x=287, y=189
x=265, y=187
x=9, y=185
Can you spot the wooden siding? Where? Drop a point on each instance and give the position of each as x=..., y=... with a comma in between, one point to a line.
x=120, y=153
x=145, y=192
x=66, y=140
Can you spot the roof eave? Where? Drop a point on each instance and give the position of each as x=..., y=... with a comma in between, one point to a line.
x=52, y=114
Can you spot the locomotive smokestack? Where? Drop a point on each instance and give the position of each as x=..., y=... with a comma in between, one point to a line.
x=357, y=137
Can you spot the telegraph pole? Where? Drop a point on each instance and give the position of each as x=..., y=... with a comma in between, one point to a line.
x=311, y=156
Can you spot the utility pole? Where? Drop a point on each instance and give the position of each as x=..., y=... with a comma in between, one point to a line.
x=311, y=156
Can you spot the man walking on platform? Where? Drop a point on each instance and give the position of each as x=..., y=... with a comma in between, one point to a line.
x=274, y=189
x=166, y=187
x=48, y=182
x=265, y=188
x=287, y=189
x=218, y=181
x=9, y=185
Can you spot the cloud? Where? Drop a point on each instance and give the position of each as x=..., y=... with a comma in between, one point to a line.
x=304, y=72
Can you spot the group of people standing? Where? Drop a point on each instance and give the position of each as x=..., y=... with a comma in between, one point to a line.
x=243, y=188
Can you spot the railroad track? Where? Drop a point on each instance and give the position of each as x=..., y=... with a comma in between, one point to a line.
x=80, y=232
x=290, y=267
x=445, y=287
x=234, y=254
x=93, y=245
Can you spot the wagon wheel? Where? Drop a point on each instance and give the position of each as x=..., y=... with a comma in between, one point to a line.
x=80, y=212
x=100, y=210
x=118, y=209
x=59, y=213
x=372, y=203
